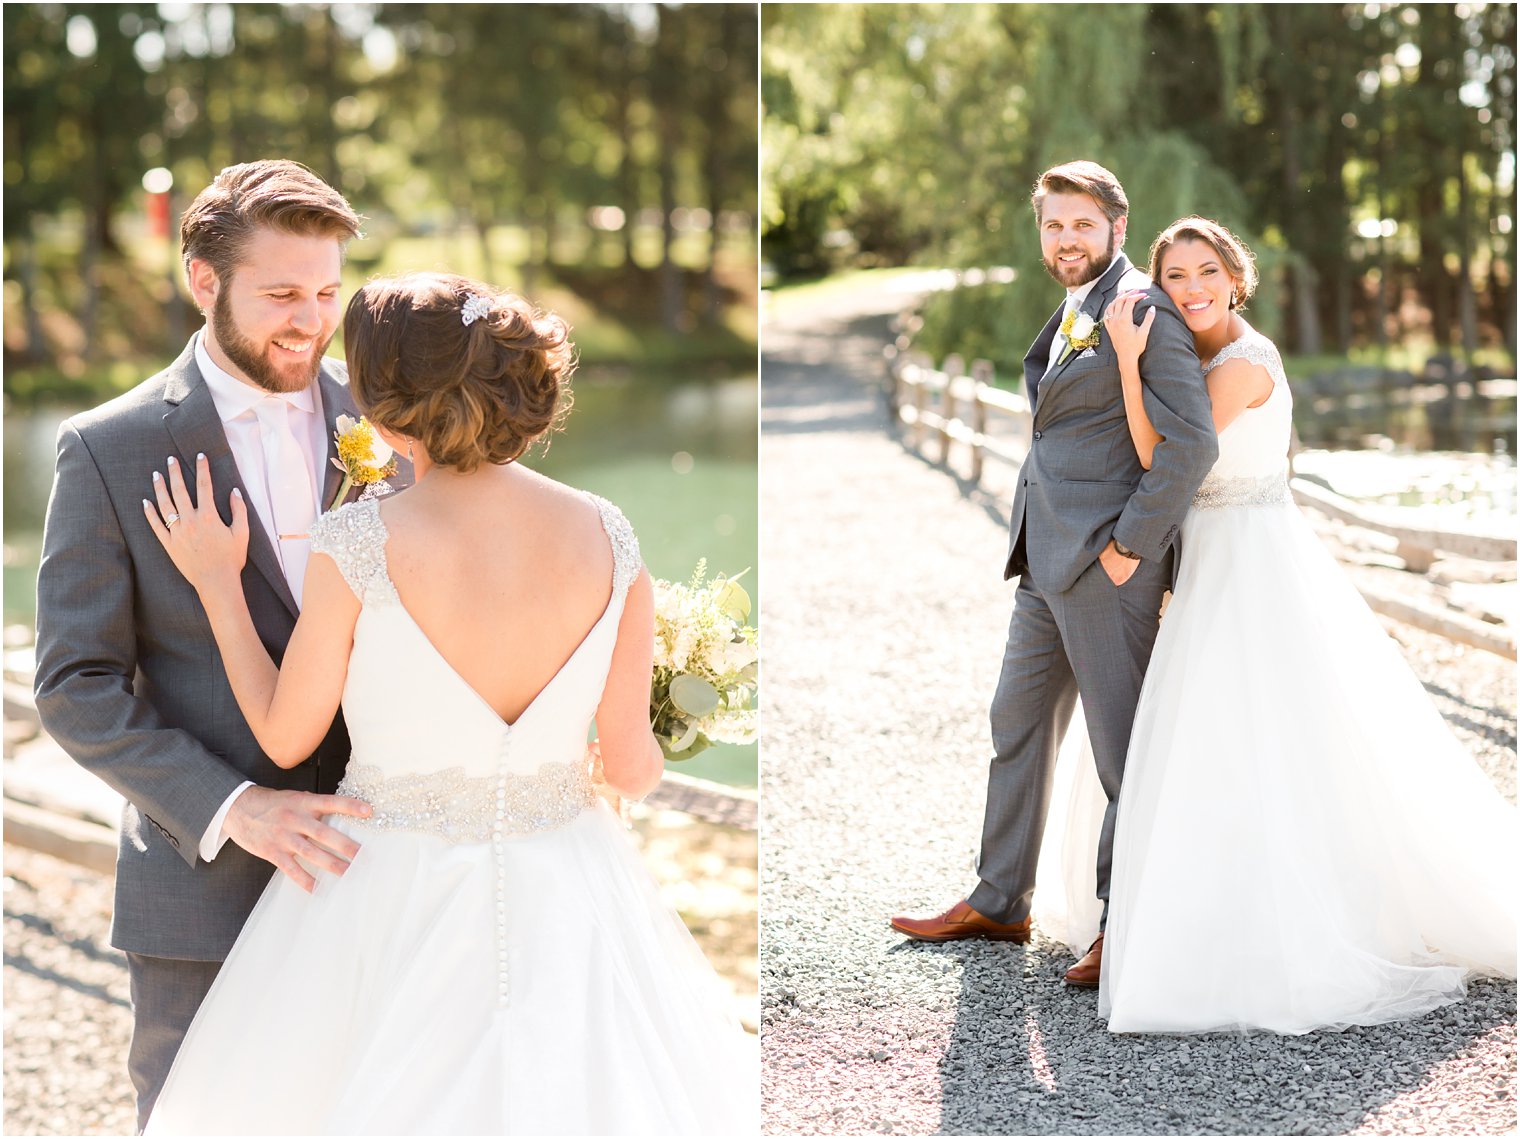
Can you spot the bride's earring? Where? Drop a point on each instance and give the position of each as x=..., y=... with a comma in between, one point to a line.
x=409, y=456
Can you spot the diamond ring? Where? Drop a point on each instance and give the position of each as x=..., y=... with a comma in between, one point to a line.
x=170, y=519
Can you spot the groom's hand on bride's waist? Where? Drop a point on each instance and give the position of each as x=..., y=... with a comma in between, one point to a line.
x=287, y=829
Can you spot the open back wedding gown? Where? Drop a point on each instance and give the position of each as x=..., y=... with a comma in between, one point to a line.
x=1302, y=843
x=496, y=959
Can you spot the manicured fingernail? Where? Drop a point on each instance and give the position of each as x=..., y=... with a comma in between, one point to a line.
x=157, y=477
x=236, y=493
x=171, y=460
x=147, y=505
x=200, y=456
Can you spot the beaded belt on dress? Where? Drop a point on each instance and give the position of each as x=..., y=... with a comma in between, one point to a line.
x=461, y=808
x=1244, y=490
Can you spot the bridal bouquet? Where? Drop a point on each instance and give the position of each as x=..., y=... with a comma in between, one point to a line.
x=706, y=665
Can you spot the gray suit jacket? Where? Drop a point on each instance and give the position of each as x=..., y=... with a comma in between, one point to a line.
x=129, y=680
x=1082, y=482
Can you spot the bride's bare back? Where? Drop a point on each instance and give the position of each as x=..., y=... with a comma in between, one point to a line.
x=504, y=571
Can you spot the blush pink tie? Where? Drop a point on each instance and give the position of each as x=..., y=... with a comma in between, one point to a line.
x=291, y=498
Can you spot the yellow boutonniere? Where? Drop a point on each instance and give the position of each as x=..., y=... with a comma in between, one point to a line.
x=1081, y=331
x=363, y=457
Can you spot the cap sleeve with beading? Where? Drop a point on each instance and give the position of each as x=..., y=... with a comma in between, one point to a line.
x=354, y=537
x=626, y=559
x=1254, y=348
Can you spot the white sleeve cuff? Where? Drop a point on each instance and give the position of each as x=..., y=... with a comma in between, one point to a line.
x=212, y=840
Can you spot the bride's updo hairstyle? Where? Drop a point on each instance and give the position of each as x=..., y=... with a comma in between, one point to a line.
x=1237, y=260
x=473, y=374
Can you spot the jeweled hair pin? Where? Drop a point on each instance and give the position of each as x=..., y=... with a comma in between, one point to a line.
x=474, y=308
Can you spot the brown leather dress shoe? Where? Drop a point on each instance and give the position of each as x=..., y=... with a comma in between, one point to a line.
x=1084, y=974
x=960, y=921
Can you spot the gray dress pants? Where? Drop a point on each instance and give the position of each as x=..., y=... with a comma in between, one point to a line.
x=1095, y=639
x=165, y=996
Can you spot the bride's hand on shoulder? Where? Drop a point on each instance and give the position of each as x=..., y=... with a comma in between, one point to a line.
x=203, y=548
x=1128, y=338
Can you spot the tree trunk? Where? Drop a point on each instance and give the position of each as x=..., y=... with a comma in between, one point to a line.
x=1343, y=303
x=537, y=200
x=627, y=172
x=1305, y=310
x=1507, y=309
x=1334, y=261
x=670, y=272
x=36, y=349
x=175, y=313
x=89, y=271
x=668, y=102
x=1433, y=264
x=1385, y=284
x=1467, y=306
x=717, y=169
x=103, y=223
x=327, y=84
x=1501, y=274
x=713, y=291
x=1434, y=170
x=483, y=234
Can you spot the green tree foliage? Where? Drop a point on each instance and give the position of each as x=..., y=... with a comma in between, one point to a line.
x=1365, y=151
x=469, y=120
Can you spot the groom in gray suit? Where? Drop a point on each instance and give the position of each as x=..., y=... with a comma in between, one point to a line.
x=1092, y=540
x=129, y=680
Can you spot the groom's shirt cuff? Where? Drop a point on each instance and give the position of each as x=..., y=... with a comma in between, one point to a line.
x=212, y=840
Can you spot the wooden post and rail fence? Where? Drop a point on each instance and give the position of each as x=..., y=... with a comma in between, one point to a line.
x=953, y=406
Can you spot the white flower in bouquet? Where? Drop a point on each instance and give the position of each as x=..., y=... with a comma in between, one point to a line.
x=706, y=665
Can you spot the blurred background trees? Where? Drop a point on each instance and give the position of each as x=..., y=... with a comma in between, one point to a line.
x=1366, y=151
x=600, y=157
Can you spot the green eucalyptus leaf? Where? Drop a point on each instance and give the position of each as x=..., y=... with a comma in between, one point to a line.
x=686, y=738
x=731, y=598
x=667, y=748
x=693, y=695
x=696, y=747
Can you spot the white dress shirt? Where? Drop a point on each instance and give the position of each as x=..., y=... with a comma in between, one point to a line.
x=235, y=403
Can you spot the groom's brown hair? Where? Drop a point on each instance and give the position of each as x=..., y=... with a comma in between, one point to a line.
x=1082, y=177
x=271, y=193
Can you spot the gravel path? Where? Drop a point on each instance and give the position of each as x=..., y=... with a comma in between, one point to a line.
x=885, y=621
x=68, y=1013
x=68, y=1017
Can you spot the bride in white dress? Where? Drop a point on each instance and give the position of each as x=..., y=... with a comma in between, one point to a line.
x=1301, y=841
x=496, y=959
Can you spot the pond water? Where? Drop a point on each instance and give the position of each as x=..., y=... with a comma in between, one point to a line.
x=679, y=458
x=1460, y=417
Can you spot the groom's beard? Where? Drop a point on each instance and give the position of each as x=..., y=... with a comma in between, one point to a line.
x=243, y=352
x=1095, y=268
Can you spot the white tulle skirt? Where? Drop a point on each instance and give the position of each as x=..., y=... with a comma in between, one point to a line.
x=1302, y=843
x=371, y=1006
